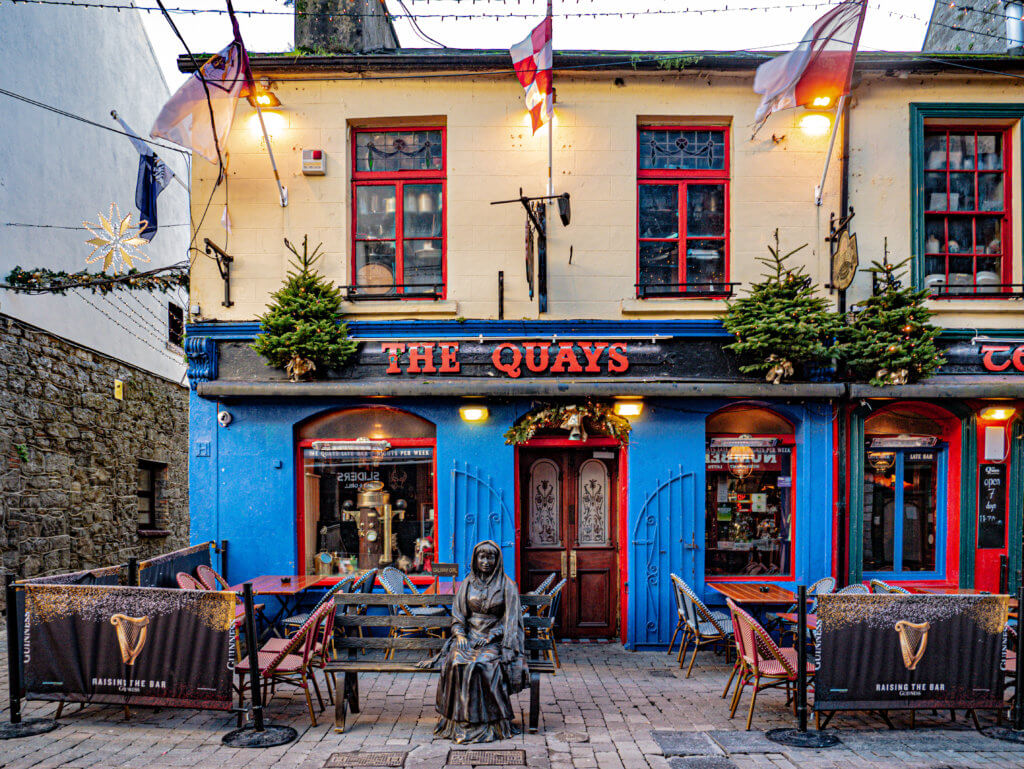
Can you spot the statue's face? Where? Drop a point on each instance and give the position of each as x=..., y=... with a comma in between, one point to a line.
x=486, y=560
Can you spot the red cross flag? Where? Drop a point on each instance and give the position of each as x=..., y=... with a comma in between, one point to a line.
x=817, y=72
x=532, y=61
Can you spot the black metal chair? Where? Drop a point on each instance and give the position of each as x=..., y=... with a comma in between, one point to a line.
x=701, y=625
x=551, y=610
x=296, y=621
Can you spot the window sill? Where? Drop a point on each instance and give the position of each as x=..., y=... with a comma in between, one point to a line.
x=673, y=306
x=401, y=307
x=1006, y=304
x=154, y=533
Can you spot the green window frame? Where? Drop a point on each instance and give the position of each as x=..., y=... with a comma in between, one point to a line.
x=981, y=112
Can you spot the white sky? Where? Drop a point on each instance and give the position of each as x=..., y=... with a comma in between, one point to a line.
x=895, y=25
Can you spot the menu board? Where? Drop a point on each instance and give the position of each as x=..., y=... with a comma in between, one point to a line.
x=992, y=505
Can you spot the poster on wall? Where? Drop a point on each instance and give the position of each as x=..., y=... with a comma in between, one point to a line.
x=126, y=645
x=893, y=652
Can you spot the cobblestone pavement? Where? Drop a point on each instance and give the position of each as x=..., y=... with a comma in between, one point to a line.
x=605, y=709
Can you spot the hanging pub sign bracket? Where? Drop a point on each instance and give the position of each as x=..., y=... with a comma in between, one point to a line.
x=536, y=216
x=224, y=260
x=844, y=258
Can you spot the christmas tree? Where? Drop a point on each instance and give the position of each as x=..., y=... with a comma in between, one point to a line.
x=301, y=333
x=890, y=339
x=781, y=326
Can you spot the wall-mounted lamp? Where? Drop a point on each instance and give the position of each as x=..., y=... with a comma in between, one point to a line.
x=815, y=124
x=473, y=413
x=996, y=413
x=821, y=102
x=630, y=408
x=265, y=99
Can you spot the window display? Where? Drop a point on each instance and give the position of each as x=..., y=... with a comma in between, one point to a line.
x=748, y=504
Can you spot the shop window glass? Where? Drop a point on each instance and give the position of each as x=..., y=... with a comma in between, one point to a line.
x=749, y=501
x=682, y=199
x=398, y=192
x=368, y=491
x=901, y=509
x=966, y=217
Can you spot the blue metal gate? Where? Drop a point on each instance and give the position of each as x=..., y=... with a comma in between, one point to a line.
x=481, y=512
x=664, y=540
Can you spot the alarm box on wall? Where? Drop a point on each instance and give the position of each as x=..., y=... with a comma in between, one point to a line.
x=314, y=162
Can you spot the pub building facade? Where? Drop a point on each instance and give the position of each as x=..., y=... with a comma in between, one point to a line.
x=401, y=455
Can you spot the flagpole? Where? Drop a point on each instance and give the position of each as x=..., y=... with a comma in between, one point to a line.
x=282, y=191
x=831, y=145
x=551, y=122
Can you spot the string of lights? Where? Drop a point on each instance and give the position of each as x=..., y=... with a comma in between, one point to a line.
x=161, y=321
x=133, y=316
x=116, y=322
x=71, y=227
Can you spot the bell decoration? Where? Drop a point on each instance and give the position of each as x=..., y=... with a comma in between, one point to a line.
x=573, y=422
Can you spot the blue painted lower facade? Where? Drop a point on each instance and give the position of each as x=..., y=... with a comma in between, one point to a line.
x=244, y=488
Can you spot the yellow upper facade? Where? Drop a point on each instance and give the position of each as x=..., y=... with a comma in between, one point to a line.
x=768, y=183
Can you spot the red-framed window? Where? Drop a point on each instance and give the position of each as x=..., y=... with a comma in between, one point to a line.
x=683, y=211
x=398, y=221
x=967, y=221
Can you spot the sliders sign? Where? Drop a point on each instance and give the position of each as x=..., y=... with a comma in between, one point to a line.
x=511, y=359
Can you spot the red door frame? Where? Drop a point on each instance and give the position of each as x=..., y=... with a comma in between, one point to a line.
x=623, y=497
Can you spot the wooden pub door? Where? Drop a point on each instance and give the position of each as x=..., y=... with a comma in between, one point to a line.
x=568, y=500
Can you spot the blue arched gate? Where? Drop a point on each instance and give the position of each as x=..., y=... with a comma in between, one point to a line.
x=481, y=512
x=664, y=540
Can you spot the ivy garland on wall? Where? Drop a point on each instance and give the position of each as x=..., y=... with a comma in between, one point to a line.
x=44, y=281
x=599, y=416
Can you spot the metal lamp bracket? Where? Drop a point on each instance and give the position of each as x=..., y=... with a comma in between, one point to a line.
x=224, y=260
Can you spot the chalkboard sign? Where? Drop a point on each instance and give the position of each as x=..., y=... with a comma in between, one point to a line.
x=992, y=505
x=445, y=570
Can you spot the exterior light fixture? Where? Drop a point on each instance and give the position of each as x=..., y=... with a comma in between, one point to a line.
x=815, y=124
x=629, y=408
x=473, y=413
x=264, y=99
x=822, y=102
x=997, y=413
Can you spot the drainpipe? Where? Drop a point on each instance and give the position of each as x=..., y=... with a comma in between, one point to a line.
x=844, y=192
x=842, y=526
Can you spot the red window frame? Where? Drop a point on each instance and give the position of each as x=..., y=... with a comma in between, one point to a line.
x=1005, y=214
x=398, y=179
x=682, y=179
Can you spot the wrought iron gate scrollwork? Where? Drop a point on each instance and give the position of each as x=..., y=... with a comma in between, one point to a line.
x=652, y=607
x=481, y=512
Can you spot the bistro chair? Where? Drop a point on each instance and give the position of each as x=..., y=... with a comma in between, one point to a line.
x=290, y=664
x=188, y=582
x=855, y=589
x=323, y=642
x=293, y=623
x=551, y=610
x=765, y=665
x=878, y=586
x=395, y=582
x=702, y=626
x=823, y=586
x=208, y=579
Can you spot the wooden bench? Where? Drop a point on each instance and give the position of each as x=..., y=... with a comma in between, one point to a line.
x=348, y=638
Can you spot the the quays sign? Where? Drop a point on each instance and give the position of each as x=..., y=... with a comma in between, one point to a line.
x=1002, y=358
x=511, y=359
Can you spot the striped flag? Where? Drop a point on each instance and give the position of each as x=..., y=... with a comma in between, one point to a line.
x=532, y=61
x=817, y=72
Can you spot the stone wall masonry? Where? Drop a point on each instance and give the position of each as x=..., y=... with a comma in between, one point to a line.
x=69, y=452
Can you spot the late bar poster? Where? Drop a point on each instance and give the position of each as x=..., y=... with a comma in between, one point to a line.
x=127, y=645
x=894, y=651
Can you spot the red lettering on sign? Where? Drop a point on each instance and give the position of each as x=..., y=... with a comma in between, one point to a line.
x=1018, y=358
x=512, y=369
x=531, y=358
x=566, y=357
x=988, y=350
x=449, y=357
x=592, y=351
x=617, y=360
x=393, y=351
x=421, y=354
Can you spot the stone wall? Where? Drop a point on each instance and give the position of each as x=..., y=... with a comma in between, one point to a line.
x=70, y=451
x=968, y=26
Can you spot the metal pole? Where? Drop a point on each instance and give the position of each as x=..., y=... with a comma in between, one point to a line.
x=13, y=652
x=542, y=260
x=501, y=295
x=1018, y=699
x=282, y=191
x=224, y=560
x=253, y=652
x=133, y=572
x=831, y=145
x=801, y=657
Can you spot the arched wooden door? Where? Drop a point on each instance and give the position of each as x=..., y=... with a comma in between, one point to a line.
x=568, y=511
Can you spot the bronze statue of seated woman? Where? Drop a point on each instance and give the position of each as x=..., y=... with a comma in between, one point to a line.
x=483, y=663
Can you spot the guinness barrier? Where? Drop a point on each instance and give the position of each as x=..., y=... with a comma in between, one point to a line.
x=160, y=571
x=898, y=652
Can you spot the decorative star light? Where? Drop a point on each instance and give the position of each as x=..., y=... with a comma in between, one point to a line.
x=115, y=241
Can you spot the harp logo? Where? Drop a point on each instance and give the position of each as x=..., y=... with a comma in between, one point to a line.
x=913, y=641
x=131, y=635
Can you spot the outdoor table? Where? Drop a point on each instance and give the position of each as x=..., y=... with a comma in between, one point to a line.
x=751, y=593
x=791, y=616
x=289, y=593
